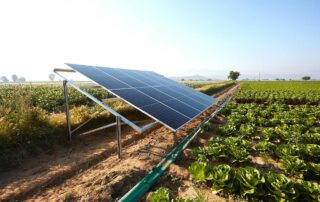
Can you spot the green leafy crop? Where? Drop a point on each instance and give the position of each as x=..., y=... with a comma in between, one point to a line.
x=250, y=181
x=314, y=170
x=199, y=154
x=265, y=147
x=247, y=130
x=280, y=187
x=311, y=138
x=310, y=151
x=198, y=171
x=287, y=150
x=308, y=191
x=222, y=177
x=227, y=129
x=294, y=165
x=216, y=149
x=160, y=195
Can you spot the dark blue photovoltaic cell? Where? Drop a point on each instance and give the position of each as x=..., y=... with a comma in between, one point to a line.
x=135, y=97
x=200, y=97
x=141, y=76
x=154, y=93
x=123, y=77
x=206, y=99
x=99, y=77
x=192, y=103
x=182, y=108
x=167, y=90
x=166, y=115
x=167, y=101
x=160, y=79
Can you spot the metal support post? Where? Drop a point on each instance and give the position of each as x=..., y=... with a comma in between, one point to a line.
x=118, y=130
x=65, y=89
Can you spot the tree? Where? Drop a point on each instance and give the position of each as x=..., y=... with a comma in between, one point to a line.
x=233, y=75
x=22, y=79
x=4, y=79
x=14, y=78
x=51, y=77
x=306, y=78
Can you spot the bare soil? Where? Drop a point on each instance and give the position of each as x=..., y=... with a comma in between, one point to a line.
x=89, y=169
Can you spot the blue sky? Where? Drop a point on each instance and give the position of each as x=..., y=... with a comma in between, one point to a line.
x=174, y=38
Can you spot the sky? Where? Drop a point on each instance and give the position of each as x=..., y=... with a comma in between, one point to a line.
x=171, y=37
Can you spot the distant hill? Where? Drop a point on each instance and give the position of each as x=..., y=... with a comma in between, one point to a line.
x=192, y=77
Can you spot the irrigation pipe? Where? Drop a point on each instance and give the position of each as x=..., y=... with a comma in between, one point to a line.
x=151, y=178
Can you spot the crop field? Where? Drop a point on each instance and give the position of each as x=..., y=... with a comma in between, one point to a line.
x=266, y=148
x=33, y=120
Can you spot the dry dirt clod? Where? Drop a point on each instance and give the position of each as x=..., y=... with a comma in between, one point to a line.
x=187, y=153
x=178, y=171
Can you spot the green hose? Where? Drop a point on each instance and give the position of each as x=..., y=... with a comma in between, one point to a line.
x=151, y=178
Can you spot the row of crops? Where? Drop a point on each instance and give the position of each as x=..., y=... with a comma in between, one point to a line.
x=286, y=92
x=50, y=96
x=266, y=151
x=46, y=96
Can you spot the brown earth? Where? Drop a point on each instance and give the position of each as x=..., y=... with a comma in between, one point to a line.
x=89, y=170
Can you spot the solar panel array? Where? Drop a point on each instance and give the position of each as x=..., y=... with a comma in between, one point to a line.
x=163, y=99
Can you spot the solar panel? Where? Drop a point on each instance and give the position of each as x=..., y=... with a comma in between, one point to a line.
x=163, y=99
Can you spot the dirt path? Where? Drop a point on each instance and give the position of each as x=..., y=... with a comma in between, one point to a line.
x=89, y=170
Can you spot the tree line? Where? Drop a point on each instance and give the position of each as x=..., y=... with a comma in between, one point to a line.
x=14, y=78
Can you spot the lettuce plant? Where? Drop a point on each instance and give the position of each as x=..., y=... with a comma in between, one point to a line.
x=222, y=177
x=236, y=149
x=199, y=154
x=310, y=151
x=198, y=171
x=247, y=130
x=207, y=127
x=269, y=134
x=237, y=141
x=238, y=154
x=280, y=187
x=236, y=119
x=294, y=165
x=160, y=195
x=287, y=150
x=250, y=181
x=265, y=147
x=315, y=129
x=314, y=170
x=311, y=138
x=216, y=149
x=227, y=129
x=308, y=191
